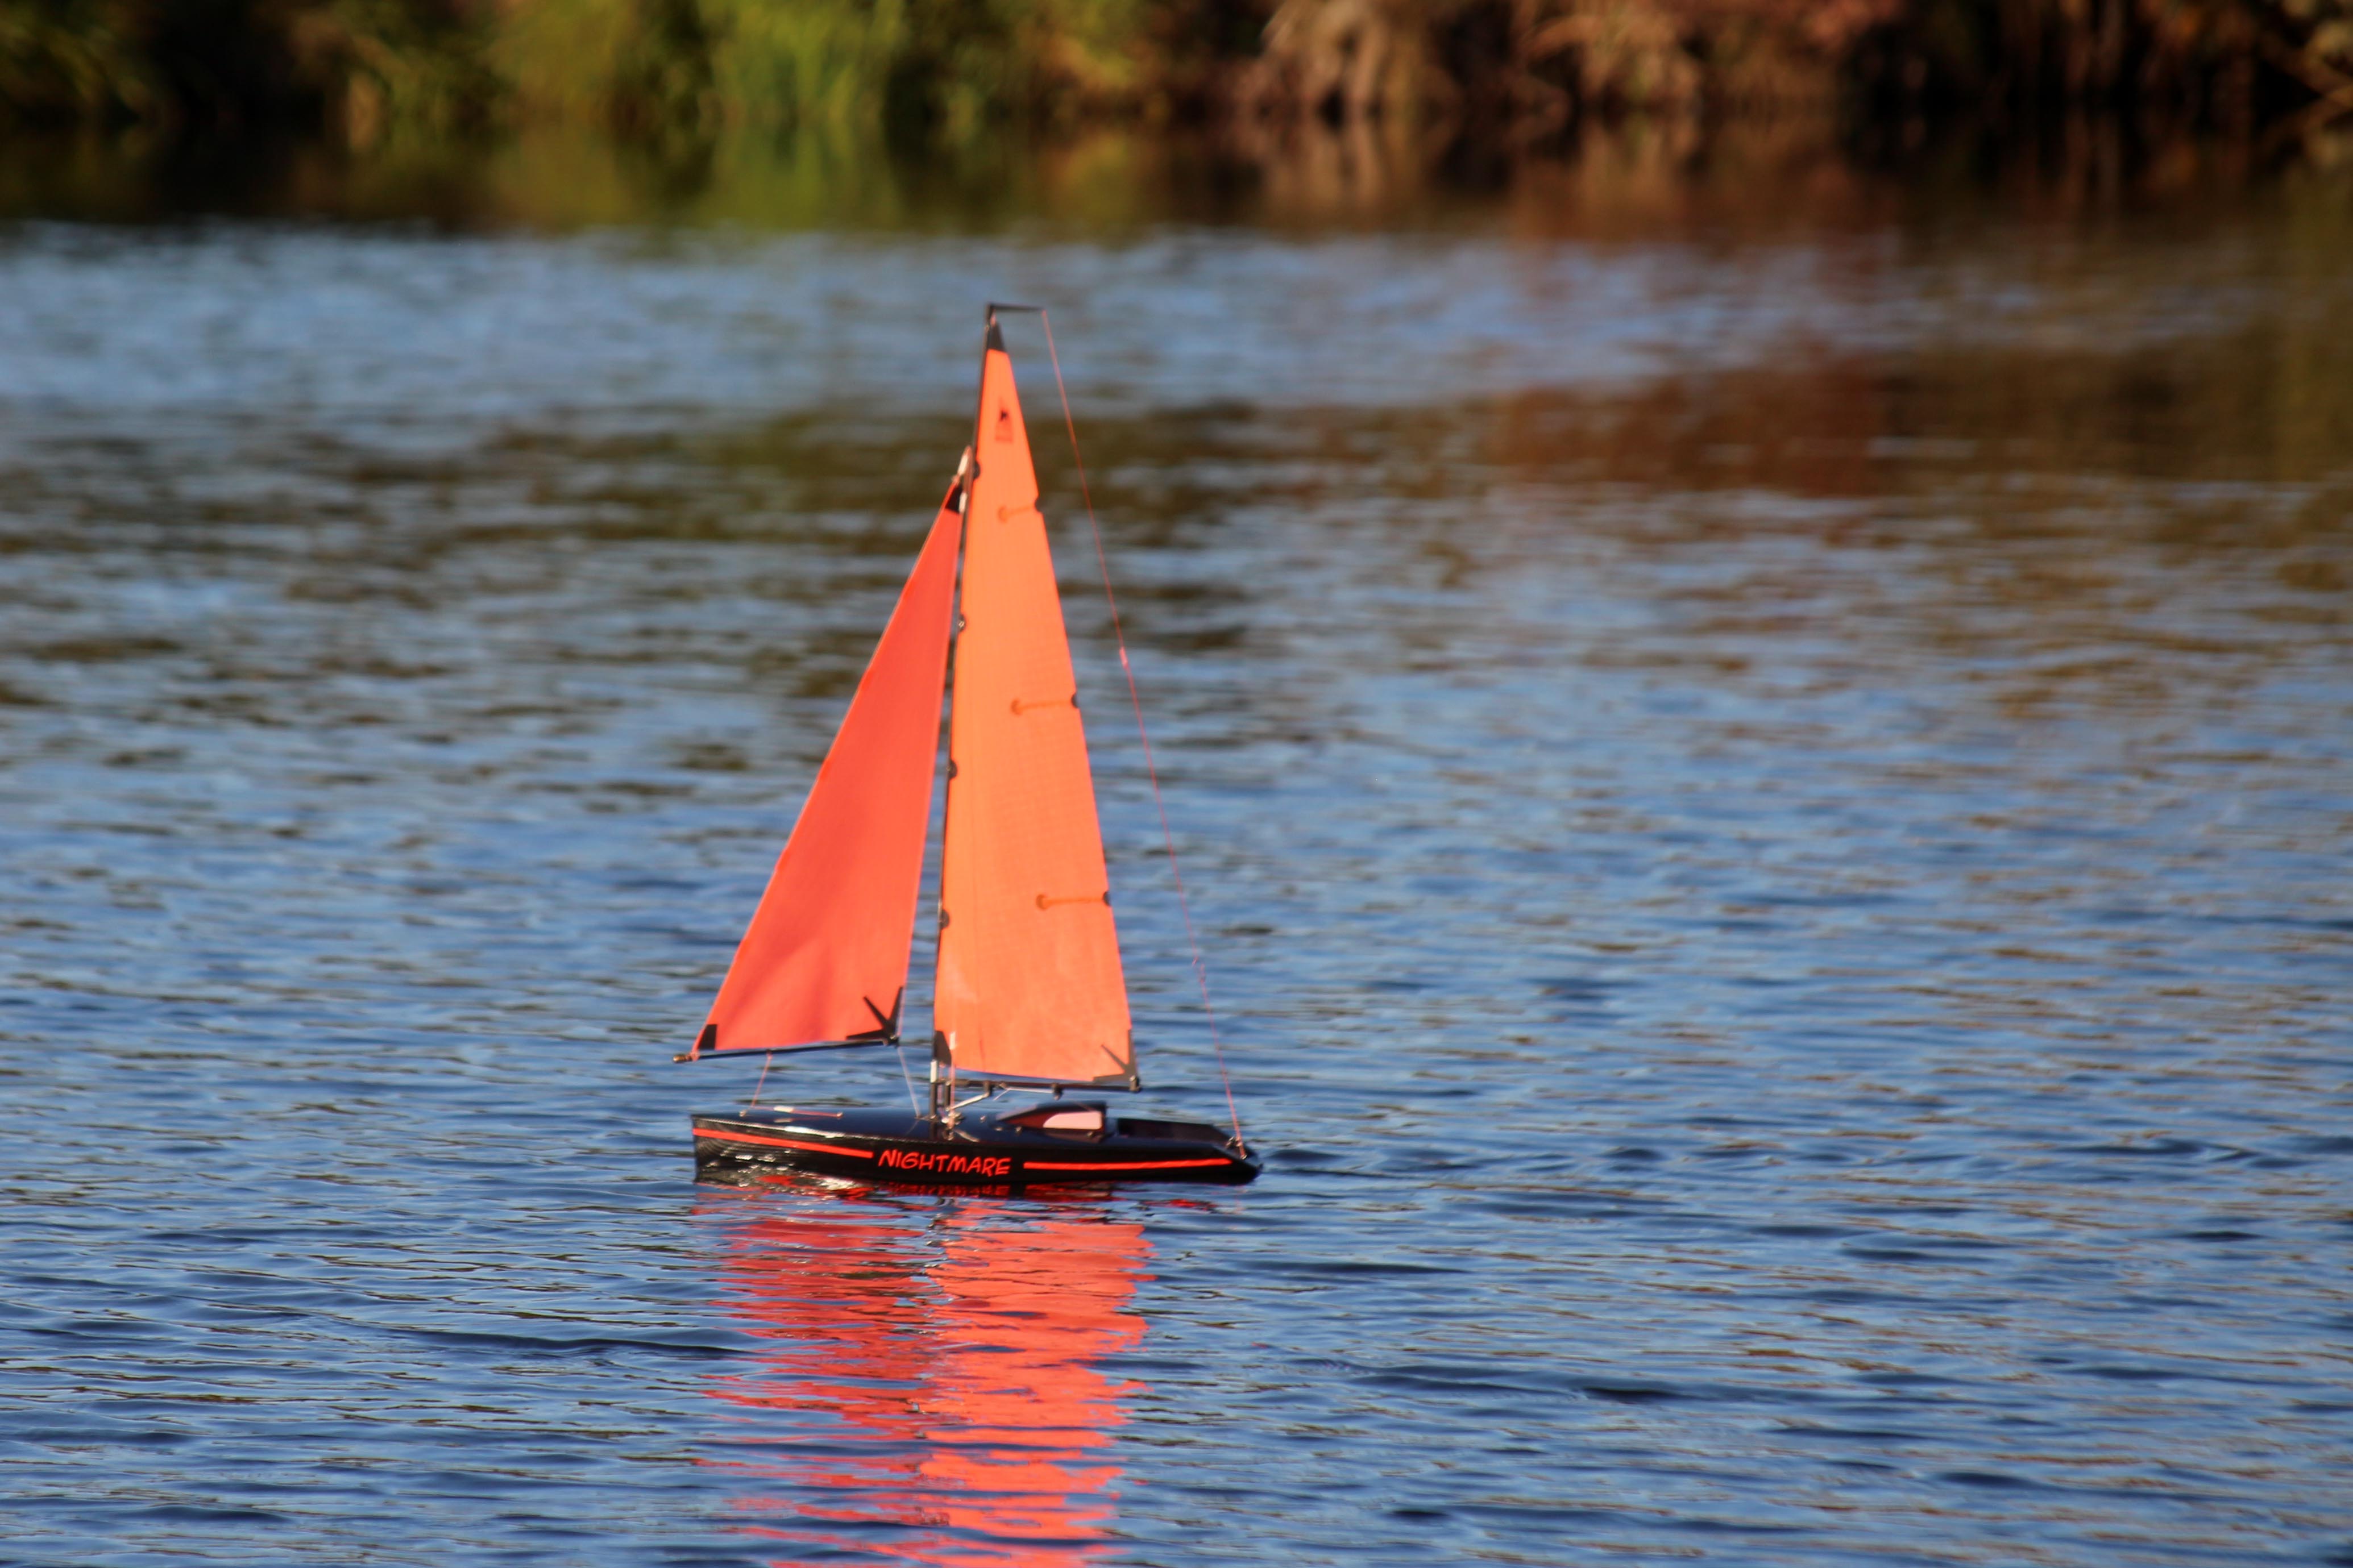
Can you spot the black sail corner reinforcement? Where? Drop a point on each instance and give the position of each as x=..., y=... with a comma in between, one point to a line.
x=886, y=1029
x=1124, y=1073
x=704, y=1044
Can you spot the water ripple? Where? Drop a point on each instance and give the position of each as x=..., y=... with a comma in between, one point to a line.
x=1772, y=842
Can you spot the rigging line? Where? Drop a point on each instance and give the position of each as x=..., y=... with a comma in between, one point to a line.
x=1152, y=771
x=910, y=1077
x=765, y=1063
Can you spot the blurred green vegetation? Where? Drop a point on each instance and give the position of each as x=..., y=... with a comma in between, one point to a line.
x=364, y=67
x=960, y=69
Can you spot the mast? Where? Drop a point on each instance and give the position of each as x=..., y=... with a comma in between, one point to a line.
x=942, y=1077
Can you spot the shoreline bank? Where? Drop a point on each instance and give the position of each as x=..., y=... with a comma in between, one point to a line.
x=935, y=71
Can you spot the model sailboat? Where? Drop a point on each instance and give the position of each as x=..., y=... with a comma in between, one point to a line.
x=1028, y=990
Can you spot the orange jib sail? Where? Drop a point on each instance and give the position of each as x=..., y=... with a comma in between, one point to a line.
x=1030, y=985
x=826, y=957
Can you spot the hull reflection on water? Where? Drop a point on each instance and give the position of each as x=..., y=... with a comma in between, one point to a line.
x=931, y=1388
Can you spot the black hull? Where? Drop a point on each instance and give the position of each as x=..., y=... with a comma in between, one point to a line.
x=900, y=1147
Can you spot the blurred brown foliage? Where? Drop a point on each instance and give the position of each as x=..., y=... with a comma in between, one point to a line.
x=968, y=66
x=348, y=64
x=1543, y=62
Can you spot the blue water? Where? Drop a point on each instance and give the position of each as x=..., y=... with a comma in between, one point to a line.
x=1769, y=814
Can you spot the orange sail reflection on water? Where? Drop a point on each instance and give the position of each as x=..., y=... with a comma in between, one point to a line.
x=934, y=1391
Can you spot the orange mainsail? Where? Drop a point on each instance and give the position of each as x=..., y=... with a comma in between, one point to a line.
x=1030, y=983
x=825, y=956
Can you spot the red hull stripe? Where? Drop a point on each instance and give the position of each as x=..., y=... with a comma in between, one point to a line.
x=783, y=1143
x=1121, y=1164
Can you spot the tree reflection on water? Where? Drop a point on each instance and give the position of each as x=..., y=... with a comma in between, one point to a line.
x=930, y=1388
